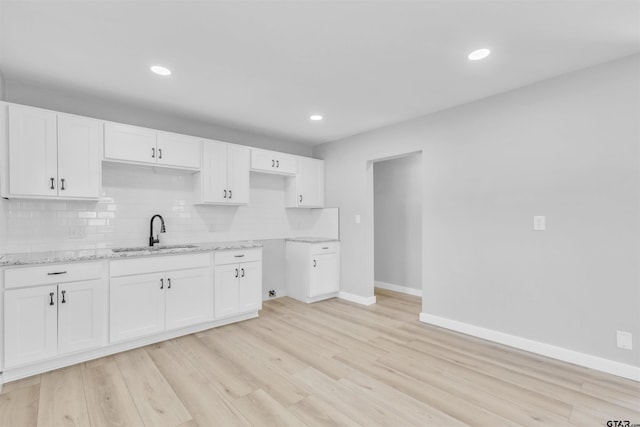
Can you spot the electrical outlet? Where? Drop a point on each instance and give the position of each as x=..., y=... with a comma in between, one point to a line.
x=272, y=293
x=625, y=340
x=539, y=222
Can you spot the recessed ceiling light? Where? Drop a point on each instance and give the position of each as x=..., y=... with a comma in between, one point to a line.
x=160, y=70
x=315, y=117
x=479, y=54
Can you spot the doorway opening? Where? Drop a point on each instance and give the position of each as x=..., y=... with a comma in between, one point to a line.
x=397, y=214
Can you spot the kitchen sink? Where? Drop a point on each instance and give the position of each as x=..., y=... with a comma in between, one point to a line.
x=152, y=249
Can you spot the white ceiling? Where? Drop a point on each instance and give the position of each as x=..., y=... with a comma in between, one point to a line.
x=265, y=66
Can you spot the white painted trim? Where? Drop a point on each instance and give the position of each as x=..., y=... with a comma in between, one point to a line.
x=559, y=353
x=398, y=288
x=357, y=298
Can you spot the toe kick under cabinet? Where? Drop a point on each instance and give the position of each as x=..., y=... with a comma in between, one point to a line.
x=313, y=270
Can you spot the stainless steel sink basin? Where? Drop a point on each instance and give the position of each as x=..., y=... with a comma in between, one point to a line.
x=152, y=249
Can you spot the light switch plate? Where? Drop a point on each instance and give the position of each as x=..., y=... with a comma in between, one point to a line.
x=357, y=219
x=539, y=223
x=625, y=340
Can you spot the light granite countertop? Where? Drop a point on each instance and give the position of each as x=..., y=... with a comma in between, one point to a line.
x=34, y=258
x=312, y=239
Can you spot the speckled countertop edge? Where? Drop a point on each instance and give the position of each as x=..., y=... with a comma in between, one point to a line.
x=35, y=258
x=312, y=239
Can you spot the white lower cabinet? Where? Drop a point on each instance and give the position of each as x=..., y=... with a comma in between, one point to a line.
x=149, y=303
x=313, y=270
x=137, y=306
x=45, y=321
x=238, y=282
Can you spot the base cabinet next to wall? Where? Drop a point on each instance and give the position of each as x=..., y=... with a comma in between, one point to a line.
x=313, y=270
x=54, y=310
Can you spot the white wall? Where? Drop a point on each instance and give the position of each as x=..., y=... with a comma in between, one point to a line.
x=397, y=185
x=567, y=148
x=118, y=111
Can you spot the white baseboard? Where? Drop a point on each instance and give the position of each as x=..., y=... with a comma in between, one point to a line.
x=559, y=353
x=357, y=298
x=398, y=288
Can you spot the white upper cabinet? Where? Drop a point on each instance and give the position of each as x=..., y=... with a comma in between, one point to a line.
x=224, y=174
x=133, y=144
x=79, y=156
x=53, y=155
x=129, y=143
x=272, y=162
x=178, y=150
x=306, y=189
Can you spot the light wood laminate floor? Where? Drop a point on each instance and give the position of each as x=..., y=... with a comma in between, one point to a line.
x=329, y=363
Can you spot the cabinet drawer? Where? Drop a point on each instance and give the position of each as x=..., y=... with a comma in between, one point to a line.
x=53, y=273
x=325, y=248
x=154, y=264
x=234, y=256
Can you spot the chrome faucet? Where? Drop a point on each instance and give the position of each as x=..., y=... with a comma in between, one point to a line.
x=153, y=241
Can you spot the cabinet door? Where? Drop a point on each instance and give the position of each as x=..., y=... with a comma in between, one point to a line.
x=30, y=325
x=79, y=156
x=325, y=274
x=137, y=306
x=82, y=315
x=272, y=162
x=250, y=298
x=286, y=164
x=129, y=143
x=238, y=159
x=226, y=295
x=310, y=182
x=33, y=152
x=189, y=297
x=178, y=150
x=213, y=173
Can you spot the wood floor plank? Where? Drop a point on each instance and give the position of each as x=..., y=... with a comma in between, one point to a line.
x=19, y=407
x=204, y=401
x=62, y=399
x=157, y=403
x=108, y=400
x=263, y=410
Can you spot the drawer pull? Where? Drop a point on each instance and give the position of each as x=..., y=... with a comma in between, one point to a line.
x=239, y=256
x=325, y=247
x=55, y=273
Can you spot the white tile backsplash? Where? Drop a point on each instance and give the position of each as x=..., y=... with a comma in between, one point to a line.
x=132, y=194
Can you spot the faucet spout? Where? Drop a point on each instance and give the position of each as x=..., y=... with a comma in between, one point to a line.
x=152, y=240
